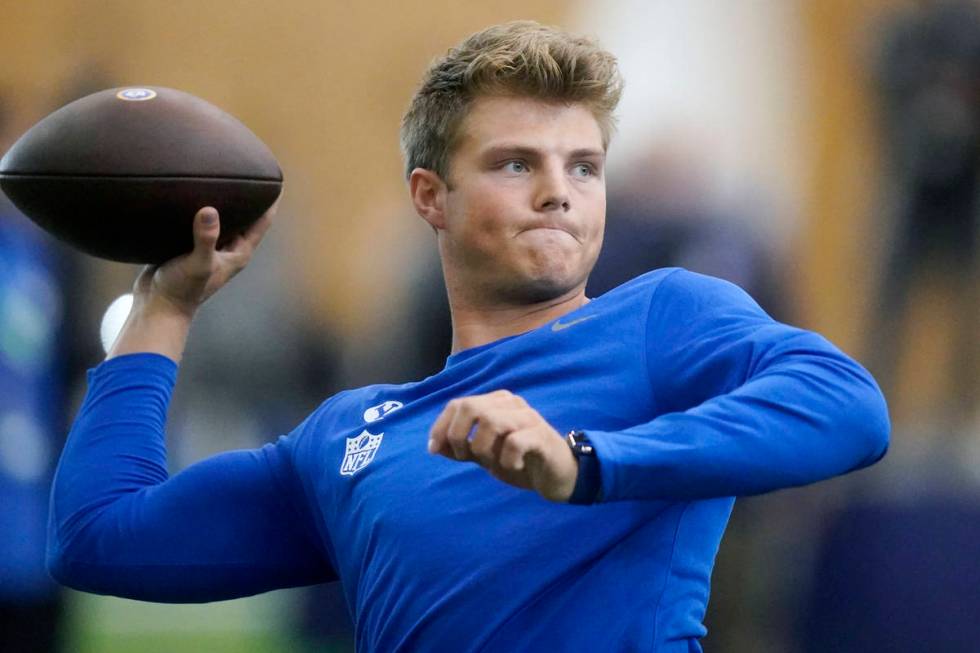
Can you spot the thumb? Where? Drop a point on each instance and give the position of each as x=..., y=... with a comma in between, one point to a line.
x=207, y=228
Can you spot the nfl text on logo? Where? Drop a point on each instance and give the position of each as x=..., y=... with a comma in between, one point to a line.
x=360, y=452
x=361, y=449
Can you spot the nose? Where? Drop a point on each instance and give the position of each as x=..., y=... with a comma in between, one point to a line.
x=552, y=191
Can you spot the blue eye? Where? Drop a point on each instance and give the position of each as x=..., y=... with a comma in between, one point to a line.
x=515, y=166
x=583, y=170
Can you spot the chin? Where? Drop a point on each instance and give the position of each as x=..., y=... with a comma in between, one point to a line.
x=537, y=289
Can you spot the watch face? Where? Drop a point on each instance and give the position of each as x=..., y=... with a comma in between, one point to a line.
x=580, y=444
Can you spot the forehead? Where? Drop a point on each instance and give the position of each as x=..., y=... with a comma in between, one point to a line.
x=528, y=122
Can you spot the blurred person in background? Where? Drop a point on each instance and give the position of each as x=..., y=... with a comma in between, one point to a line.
x=257, y=362
x=41, y=356
x=662, y=213
x=897, y=566
x=261, y=323
x=420, y=348
x=927, y=77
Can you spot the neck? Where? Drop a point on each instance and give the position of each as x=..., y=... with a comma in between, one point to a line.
x=475, y=325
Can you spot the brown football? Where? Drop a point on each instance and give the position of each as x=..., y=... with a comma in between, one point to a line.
x=120, y=173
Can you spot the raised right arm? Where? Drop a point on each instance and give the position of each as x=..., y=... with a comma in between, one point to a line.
x=230, y=526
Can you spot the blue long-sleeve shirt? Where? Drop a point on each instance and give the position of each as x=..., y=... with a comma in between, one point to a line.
x=690, y=393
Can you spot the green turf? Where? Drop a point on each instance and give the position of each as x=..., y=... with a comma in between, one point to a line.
x=98, y=624
x=168, y=643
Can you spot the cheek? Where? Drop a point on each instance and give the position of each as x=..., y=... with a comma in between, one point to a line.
x=599, y=232
x=482, y=217
x=597, y=225
x=591, y=205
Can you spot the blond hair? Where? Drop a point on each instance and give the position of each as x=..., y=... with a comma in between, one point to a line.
x=521, y=58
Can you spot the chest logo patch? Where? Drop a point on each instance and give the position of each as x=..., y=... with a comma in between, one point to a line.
x=360, y=452
x=374, y=413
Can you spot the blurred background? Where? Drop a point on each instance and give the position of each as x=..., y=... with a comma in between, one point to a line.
x=823, y=154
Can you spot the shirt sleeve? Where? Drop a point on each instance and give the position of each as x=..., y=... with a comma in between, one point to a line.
x=230, y=526
x=746, y=404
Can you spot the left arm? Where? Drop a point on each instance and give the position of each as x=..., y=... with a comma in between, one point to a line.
x=746, y=405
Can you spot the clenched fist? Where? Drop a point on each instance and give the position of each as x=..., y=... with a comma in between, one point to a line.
x=509, y=439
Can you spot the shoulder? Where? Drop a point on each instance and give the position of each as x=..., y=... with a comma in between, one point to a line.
x=672, y=288
x=335, y=409
x=348, y=409
x=638, y=290
x=666, y=286
x=675, y=301
x=700, y=293
x=645, y=284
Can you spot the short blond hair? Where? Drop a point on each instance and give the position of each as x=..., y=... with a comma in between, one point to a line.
x=521, y=58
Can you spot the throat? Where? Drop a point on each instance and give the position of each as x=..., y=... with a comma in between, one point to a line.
x=474, y=326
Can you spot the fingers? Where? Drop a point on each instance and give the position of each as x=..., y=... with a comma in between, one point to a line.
x=145, y=280
x=450, y=432
x=436, y=439
x=254, y=234
x=515, y=447
x=459, y=428
x=492, y=430
x=207, y=228
x=509, y=439
x=245, y=244
x=467, y=429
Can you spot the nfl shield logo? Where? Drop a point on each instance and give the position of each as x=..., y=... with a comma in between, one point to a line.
x=360, y=452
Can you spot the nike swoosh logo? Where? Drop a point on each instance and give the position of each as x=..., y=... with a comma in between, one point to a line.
x=561, y=326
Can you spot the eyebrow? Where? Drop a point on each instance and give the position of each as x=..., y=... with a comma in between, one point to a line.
x=521, y=150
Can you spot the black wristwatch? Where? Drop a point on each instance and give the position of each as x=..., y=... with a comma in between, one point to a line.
x=588, y=485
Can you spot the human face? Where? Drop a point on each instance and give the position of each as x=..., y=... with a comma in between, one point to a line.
x=526, y=200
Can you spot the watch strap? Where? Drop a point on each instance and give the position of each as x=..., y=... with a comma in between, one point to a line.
x=588, y=484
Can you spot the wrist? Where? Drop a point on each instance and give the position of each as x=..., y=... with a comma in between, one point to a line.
x=588, y=482
x=152, y=304
x=154, y=325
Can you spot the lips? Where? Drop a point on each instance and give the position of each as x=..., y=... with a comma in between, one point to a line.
x=550, y=227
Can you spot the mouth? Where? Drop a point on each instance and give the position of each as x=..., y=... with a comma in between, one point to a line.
x=549, y=227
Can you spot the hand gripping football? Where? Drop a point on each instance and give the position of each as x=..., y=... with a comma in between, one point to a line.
x=119, y=174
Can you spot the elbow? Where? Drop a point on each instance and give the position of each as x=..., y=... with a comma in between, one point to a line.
x=56, y=554
x=57, y=558
x=880, y=437
x=870, y=425
x=57, y=565
x=67, y=570
x=61, y=558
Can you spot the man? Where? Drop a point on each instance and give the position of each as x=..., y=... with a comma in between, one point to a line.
x=39, y=362
x=682, y=394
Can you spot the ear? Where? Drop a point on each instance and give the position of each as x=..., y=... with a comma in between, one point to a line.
x=428, y=193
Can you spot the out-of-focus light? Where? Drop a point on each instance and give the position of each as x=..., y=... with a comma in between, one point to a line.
x=113, y=320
